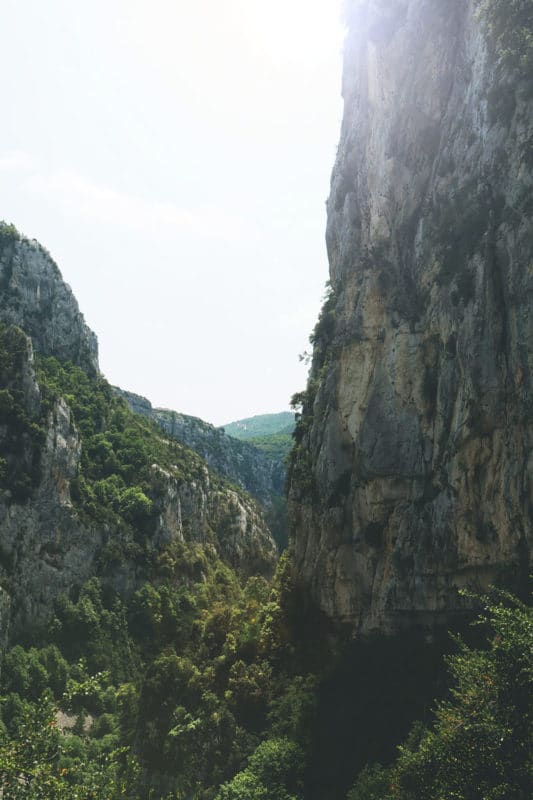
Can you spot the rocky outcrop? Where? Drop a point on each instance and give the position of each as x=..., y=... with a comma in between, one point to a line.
x=215, y=515
x=412, y=473
x=50, y=544
x=44, y=547
x=241, y=463
x=34, y=297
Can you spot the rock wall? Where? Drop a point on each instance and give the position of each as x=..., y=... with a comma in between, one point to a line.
x=34, y=297
x=44, y=547
x=240, y=462
x=412, y=473
x=47, y=547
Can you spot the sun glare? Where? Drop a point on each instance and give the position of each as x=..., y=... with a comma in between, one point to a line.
x=288, y=30
x=243, y=38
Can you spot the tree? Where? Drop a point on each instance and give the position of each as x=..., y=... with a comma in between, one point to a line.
x=479, y=747
x=274, y=772
x=31, y=763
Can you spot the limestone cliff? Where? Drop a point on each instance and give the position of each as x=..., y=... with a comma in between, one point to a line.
x=412, y=471
x=49, y=543
x=85, y=487
x=34, y=297
x=240, y=462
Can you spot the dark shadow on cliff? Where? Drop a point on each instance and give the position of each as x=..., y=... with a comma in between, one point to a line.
x=367, y=704
x=374, y=689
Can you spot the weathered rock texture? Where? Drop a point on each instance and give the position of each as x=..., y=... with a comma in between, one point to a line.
x=34, y=297
x=240, y=462
x=47, y=547
x=412, y=476
x=44, y=548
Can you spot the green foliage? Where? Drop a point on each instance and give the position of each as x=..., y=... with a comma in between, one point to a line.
x=373, y=783
x=191, y=674
x=479, y=747
x=56, y=668
x=24, y=673
x=214, y=688
x=260, y=426
x=509, y=24
x=135, y=506
x=8, y=234
x=274, y=772
x=276, y=445
x=39, y=763
x=205, y=699
x=300, y=466
x=292, y=712
x=244, y=786
x=117, y=482
x=94, y=628
x=23, y=436
x=324, y=330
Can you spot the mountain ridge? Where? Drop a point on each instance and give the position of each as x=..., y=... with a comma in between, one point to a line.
x=240, y=461
x=34, y=296
x=260, y=425
x=82, y=481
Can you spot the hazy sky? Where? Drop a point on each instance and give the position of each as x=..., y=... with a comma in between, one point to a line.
x=174, y=157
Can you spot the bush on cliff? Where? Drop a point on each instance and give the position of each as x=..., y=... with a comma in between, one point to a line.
x=479, y=747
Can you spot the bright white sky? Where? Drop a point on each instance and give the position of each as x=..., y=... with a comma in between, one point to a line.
x=174, y=157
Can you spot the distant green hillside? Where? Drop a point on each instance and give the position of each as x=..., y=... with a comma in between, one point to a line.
x=261, y=425
x=276, y=446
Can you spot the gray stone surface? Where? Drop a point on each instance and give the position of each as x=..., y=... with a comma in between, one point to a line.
x=240, y=462
x=34, y=297
x=46, y=547
x=418, y=423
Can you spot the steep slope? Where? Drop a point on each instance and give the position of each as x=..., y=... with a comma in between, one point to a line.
x=34, y=297
x=276, y=446
x=88, y=488
x=134, y=576
x=242, y=463
x=411, y=474
x=261, y=425
x=109, y=497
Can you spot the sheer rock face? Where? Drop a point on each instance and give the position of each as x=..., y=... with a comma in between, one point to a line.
x=417, y=424
x=46, y=546
x=45, y=549
x=34, y=297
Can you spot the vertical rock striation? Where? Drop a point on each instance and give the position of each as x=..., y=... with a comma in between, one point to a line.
x=411, y=476
x=48, y=545
x=34, y=297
